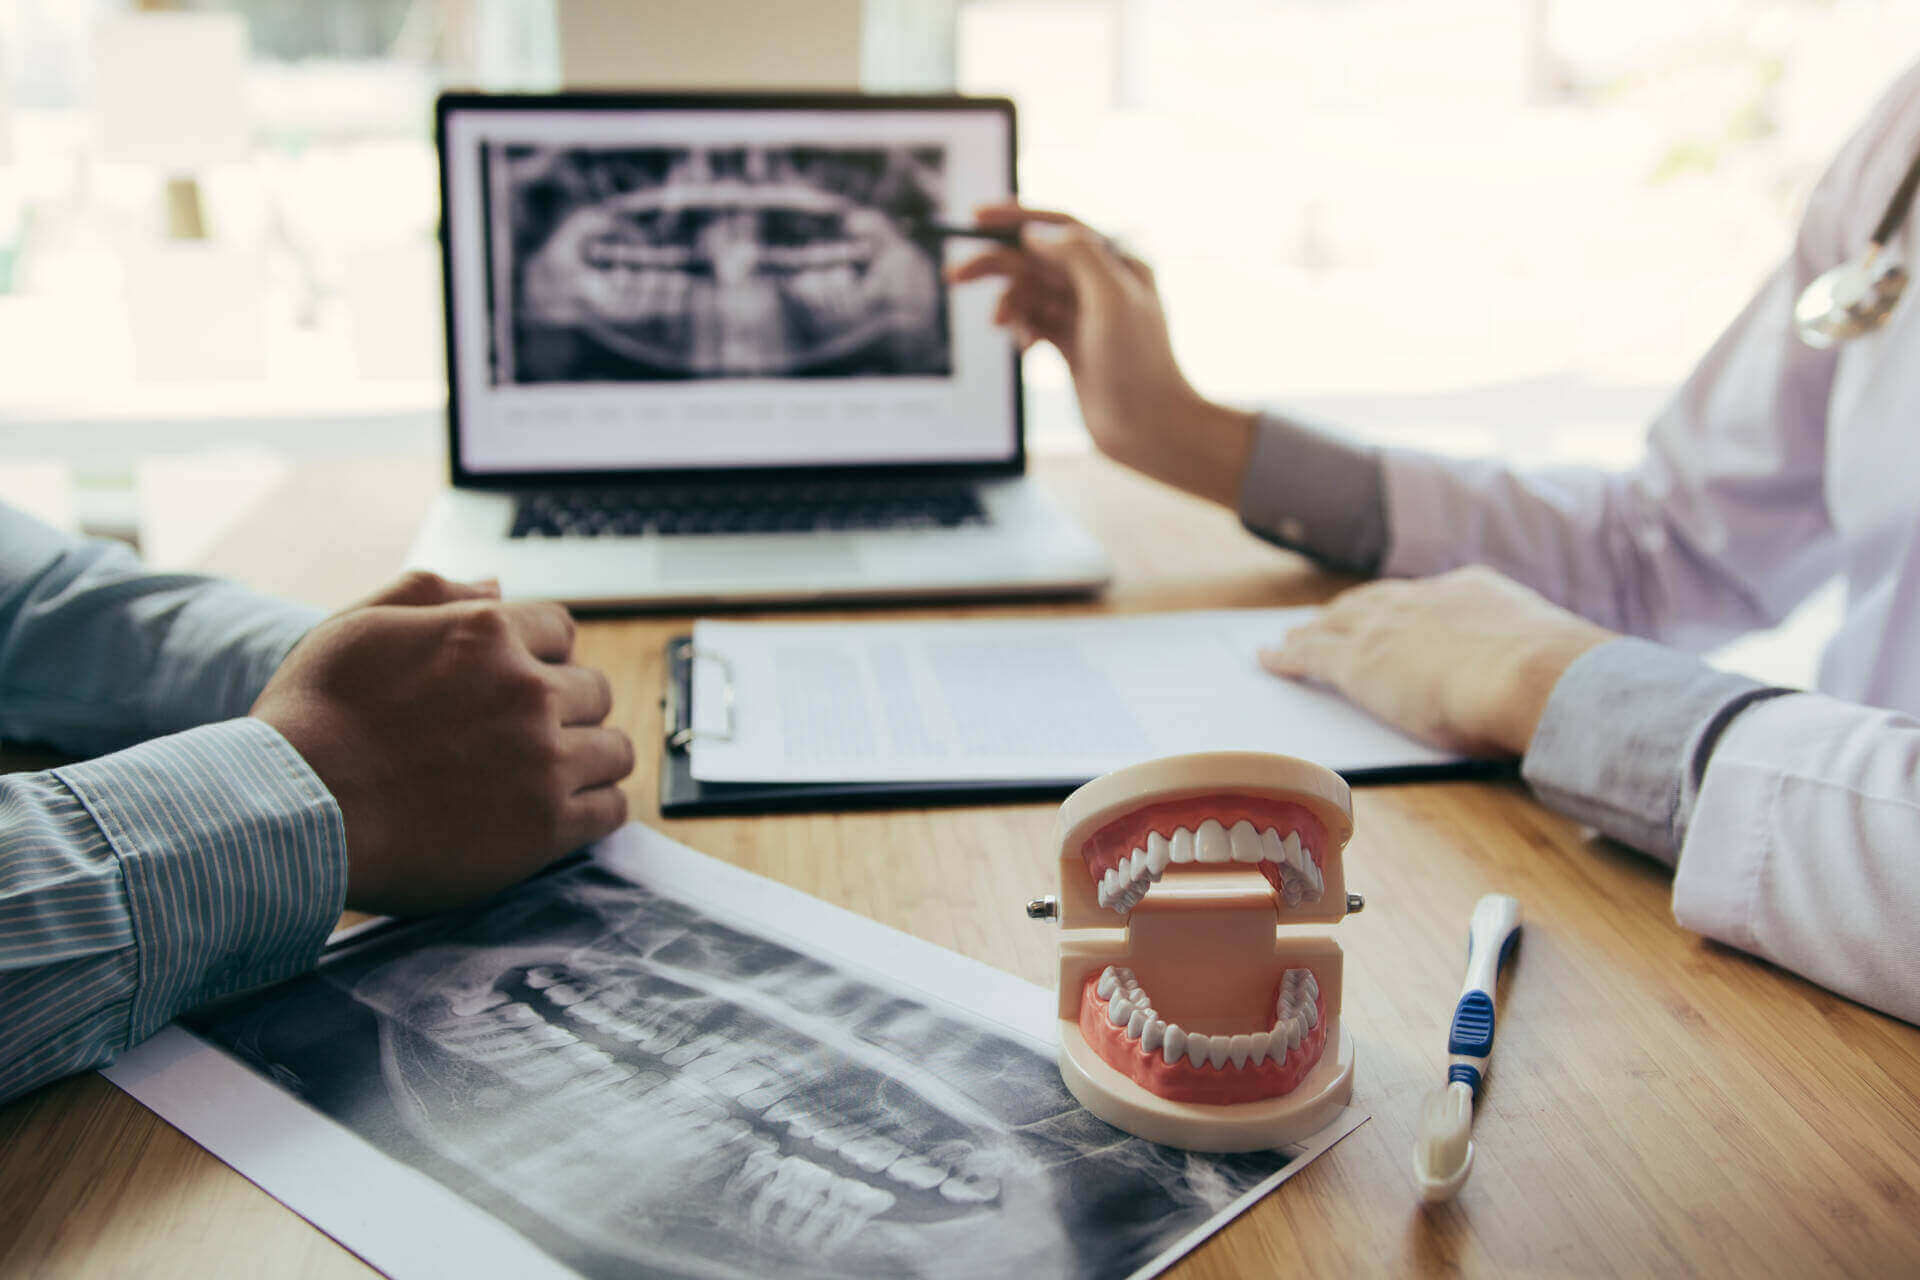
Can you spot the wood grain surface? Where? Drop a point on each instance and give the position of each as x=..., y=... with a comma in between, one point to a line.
x=1660, y=1104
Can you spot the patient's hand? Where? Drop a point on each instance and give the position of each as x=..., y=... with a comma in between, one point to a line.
x=1071, y=287
x=463, y=747
x=1466, y=659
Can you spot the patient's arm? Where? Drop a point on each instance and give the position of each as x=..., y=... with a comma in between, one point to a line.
x=98, y=652
x=143, y=883
x=422, y=749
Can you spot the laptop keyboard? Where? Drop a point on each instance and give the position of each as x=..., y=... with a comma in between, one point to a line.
x=744, y=508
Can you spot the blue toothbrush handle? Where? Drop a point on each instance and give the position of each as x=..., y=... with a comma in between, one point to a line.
x=1490, y=937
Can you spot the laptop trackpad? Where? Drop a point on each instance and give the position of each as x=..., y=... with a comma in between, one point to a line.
x=757, y=559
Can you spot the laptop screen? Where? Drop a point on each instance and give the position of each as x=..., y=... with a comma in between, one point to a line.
x=645, y=284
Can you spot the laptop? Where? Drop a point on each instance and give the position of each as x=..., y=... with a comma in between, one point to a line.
x=700, y=351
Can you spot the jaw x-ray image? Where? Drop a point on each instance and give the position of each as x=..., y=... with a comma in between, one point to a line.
x=650, y=263
x=639, y=1087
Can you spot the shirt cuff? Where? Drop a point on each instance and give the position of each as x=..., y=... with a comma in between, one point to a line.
x=1311, y=491
x=1625, y=738
x=234, y=856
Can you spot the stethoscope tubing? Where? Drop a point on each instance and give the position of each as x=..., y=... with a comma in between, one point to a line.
x=1896, y=215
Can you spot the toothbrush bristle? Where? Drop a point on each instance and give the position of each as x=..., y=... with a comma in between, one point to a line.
x=1446, y=1124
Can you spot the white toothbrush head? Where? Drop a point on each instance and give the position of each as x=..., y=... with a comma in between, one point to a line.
x=1443, y=1147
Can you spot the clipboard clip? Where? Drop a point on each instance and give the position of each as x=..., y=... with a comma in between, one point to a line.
x=677, y=710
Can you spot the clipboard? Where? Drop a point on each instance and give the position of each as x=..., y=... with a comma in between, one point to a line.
x=684, y=796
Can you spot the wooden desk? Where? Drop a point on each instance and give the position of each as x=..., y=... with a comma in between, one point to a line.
x=1661, y=1104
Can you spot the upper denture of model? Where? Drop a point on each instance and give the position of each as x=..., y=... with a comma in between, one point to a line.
x=1284, y=839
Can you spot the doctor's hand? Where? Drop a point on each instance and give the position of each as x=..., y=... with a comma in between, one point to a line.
x=464, y=748
x=1466, y=659
x=1070, y=286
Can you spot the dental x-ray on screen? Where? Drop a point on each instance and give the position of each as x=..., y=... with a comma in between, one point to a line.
x=733, y=260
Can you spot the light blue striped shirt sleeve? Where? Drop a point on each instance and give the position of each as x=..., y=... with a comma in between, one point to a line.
x=189, y=866
x=143, y=883
x=97, y=652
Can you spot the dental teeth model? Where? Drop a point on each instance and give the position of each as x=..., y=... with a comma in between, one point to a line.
x=1193, y=1011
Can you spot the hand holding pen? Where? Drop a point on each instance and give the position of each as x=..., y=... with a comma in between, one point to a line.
x=1071, y=286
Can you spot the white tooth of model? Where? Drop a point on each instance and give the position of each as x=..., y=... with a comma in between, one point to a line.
x=1244, y=841
x=1180, y=848
x=1198, y=1047
x=1210, y=843
x=1239, y=1049
x=1159, y=854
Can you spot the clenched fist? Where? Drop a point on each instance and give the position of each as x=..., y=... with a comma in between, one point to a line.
x=464, y=748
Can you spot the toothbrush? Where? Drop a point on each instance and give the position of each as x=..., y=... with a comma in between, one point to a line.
x=1443, y=1149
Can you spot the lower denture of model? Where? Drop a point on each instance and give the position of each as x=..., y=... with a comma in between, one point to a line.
x=1283, y=839
x=1118, y=1019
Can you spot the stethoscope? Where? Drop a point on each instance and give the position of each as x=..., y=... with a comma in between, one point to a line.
x=1857, y=297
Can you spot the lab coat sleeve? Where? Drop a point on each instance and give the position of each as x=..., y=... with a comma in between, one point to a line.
x=1804, y=846
x=1795, y=818
x=1625, y=734
x=1723, y=525
x=98, y=652
x=1311, y=490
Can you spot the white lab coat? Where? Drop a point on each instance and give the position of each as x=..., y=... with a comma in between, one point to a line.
x=1774, y=468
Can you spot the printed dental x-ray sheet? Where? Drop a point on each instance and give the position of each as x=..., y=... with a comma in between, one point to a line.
x=653, y=1063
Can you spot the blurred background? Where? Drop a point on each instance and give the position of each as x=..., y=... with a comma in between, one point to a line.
x=1489, y=225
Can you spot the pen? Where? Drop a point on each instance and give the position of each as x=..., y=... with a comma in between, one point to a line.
x=1009, y=236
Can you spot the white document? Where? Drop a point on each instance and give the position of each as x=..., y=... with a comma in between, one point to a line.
x=387, y=1098
x=1047, y=700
